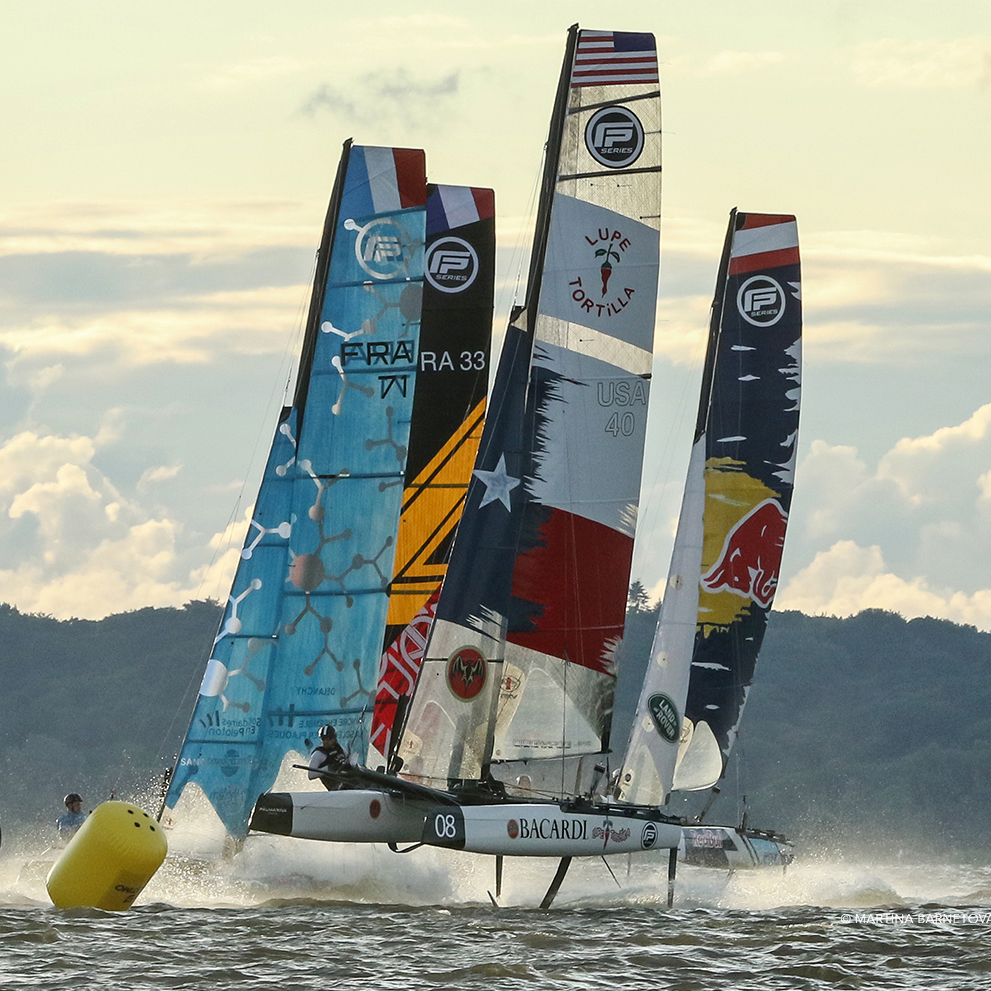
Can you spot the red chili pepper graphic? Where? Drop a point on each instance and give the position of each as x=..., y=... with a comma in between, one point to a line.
x=606, y=269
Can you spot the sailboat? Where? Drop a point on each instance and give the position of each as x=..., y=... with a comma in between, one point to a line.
x=729, y=542
x=364, y=482
x=504, y=748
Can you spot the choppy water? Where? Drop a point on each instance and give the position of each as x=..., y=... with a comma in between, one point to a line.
x=292, y=915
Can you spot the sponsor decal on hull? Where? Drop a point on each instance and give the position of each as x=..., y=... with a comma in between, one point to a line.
x=649, y=836
x=548, y=829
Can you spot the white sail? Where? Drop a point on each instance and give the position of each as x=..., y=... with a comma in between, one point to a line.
x=521, y=661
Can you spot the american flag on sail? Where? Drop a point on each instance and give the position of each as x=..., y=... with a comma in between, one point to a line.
x=608, y=58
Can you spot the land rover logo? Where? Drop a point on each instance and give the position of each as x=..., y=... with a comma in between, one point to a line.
x=466, y=673
x=665, y=715
x=379, y=247
x=452, y=264
x=761, y=301
x=649, y=835
x=614, y=137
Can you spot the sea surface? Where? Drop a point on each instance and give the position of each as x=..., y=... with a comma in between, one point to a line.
x=288, y=915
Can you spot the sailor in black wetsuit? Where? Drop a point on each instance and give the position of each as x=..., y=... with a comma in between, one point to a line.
x=329, y=756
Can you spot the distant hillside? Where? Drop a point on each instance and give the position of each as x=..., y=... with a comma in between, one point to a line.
x=92, y=706
x=872, y=730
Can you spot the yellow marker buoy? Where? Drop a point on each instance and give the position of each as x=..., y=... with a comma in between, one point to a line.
x=114, y=854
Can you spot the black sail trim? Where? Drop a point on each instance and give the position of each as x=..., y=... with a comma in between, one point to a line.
x=319, y=287
x=715, y=325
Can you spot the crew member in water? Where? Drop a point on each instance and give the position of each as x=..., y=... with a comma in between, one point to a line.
x=330, y=756
x=68, y=823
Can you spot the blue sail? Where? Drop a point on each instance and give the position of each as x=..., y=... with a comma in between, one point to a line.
x=302, y=632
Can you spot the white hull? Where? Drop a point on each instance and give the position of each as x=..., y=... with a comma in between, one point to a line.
x=546, y=830
x=732, y=848
x=351, y=816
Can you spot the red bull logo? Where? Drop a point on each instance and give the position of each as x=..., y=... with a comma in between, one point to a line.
x=751, y=556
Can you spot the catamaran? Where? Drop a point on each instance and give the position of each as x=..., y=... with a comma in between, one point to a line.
x=504, y=745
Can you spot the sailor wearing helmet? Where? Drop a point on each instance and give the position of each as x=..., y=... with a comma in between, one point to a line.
x=68, y=824
x=329, y=756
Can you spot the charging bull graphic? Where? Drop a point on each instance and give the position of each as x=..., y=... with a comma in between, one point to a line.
x=751, y=556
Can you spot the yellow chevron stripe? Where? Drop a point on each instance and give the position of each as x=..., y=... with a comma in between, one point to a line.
x=432, y=505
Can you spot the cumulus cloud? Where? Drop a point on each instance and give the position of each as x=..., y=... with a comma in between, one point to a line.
x=89, y=550
x=847, y=579
x=909, y=533
x=162, y=473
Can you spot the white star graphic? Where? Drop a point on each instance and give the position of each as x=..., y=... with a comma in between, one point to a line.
x=497, y=484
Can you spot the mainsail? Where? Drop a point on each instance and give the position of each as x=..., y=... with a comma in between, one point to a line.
x=520, y=661
x=303, y=628
x=448, y=413
x=727, y=553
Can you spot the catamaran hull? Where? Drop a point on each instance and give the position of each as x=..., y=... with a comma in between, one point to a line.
x=538, y=830
x=731, y=848
x=353, y=816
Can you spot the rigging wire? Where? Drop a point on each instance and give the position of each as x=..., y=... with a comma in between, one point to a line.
x=221, y=580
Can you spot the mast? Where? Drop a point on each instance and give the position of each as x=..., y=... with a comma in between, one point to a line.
x=548, y=183
x=320, y=284
x=715, y=323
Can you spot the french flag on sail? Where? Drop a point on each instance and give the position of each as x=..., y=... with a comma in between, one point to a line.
x=457, y=206
x=609, y=58
x=394, y=179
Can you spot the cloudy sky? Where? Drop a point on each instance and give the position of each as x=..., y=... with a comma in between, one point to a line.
x=165, y=168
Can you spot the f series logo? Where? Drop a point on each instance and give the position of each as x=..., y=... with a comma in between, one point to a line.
x=614, y=137
x=379, y=247
x=452, y=265
x=761, y=301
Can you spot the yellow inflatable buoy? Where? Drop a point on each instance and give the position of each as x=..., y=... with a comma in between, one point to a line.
x=111, y=858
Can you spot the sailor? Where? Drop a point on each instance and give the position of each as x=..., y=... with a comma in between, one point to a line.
x=330, y=755
x=68, y=824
